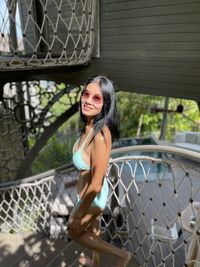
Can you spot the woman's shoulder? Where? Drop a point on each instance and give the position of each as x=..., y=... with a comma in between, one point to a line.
x=103, y=136
x=106, y=131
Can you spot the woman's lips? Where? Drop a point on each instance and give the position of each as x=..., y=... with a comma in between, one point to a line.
x=86, y=108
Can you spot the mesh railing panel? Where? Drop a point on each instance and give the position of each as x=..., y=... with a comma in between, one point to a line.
x=153, y=207
x=156, y=208
x=25, y=208
x=45, y=33
x=31, y=204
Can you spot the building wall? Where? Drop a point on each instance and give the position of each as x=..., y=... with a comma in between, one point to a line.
x=150, y=47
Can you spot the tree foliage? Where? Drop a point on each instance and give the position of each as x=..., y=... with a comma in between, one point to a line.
x=132, y=106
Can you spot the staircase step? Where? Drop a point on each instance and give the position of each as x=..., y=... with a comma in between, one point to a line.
x=68, y=256
x=34, y=251
x=28, y=250
x=75, y=249
x=11, y=249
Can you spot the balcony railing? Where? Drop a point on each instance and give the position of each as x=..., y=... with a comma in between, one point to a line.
x=41, y=34
x=153, y=208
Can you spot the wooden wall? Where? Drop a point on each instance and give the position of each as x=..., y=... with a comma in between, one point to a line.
x=151, y=47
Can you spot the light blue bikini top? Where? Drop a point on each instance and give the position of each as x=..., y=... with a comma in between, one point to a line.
x=77, y=158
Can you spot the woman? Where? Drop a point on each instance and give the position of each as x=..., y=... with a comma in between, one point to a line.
x=91, y=155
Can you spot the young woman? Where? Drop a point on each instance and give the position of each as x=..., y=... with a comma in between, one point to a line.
x=91, y=156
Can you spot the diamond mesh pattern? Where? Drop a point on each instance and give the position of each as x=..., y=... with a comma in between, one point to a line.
x=25, y=207
x=153, y=207
x=44, y=33
x=151, y=197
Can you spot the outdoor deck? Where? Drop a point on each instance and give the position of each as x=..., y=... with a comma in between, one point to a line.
x=33, y=251
x=144, y=189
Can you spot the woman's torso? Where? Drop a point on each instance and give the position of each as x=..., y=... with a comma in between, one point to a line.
x=82, y=160
x=83, y=147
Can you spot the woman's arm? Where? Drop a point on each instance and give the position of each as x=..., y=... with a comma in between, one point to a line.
x=100, y=155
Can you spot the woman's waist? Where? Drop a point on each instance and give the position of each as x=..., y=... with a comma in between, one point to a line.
x=83, y=182
x=83, y=185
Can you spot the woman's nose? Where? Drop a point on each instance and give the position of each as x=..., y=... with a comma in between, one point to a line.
x=89, y=100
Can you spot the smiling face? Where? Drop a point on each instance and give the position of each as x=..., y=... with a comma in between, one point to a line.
x=92, y=100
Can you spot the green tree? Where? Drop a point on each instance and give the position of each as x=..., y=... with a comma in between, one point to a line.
x=134, y=107
x=137, y=108
x=188, y=120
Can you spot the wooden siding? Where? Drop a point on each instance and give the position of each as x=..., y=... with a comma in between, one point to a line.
x=150, y=47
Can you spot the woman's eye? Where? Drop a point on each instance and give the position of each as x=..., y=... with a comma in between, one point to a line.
x=97, y=99
x=86, y=94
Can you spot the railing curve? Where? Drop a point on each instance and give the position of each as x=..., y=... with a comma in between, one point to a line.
x=153, y=207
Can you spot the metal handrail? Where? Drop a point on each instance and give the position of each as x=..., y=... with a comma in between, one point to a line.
x=68, y=167
x=191, y=155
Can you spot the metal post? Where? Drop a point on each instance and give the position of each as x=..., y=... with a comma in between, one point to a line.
x=164, y=120
x=12, y=20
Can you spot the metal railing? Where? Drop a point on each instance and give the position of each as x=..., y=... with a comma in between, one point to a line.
x=153, y=207
x=45, y=34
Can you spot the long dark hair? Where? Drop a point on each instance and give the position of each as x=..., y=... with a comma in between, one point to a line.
x=108, y=115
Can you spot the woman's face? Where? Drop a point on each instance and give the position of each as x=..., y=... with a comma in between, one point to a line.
x=92, y=100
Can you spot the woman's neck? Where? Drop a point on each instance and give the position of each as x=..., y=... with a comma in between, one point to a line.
x=89, y=123
x=88, y=127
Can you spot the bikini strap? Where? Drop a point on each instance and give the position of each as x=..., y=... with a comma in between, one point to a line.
x=75, y=144
x=86, y=139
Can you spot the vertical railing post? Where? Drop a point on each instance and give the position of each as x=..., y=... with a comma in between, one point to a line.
x=193, y=254
x=12, y=6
